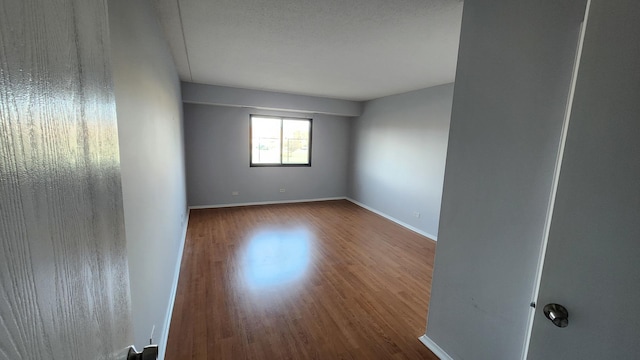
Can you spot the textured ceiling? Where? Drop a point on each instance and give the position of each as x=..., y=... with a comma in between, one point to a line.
x=355, y=50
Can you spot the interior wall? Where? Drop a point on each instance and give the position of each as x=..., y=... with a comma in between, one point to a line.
x=398, y=152
x=229, y=96
x=591, y=260
x=217, y=157
x=64, y=288
x=512, y=83
x=149, y=109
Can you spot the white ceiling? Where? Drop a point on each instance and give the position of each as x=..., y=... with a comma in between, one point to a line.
x=354, y=50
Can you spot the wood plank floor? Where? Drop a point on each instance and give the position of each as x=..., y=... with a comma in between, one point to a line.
x=323, y=280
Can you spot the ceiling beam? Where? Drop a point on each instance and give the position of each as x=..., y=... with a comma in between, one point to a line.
x=193, y=93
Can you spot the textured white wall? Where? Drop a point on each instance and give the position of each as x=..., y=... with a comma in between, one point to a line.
x=64, y=287
x=149, y=109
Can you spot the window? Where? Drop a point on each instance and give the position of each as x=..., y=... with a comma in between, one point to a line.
x=278, y=141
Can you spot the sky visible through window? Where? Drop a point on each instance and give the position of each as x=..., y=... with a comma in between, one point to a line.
x=280, y=141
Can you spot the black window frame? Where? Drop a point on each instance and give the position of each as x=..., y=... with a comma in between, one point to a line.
x=281, y=118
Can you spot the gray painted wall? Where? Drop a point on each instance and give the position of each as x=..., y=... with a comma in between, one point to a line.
x=149, y=110
x=217, y=157
x=269, y=100
x=513, y=77
x=398, y=151
x=591, y=262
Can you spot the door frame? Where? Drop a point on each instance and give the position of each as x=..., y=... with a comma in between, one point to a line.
x=554, y=184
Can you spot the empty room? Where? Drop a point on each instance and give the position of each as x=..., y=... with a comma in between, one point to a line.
x=193, y=179
x=314, y=159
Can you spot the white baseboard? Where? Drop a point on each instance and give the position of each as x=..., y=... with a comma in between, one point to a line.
x=162, y=344
x=264, y=203
x=437, y=350
x=403, y=224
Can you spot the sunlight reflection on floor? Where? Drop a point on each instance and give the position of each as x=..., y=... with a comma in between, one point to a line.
x=275, y=258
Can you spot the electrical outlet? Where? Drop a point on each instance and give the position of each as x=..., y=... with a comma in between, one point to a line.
x=281, y=190
x=416, y=214
x=235, y=193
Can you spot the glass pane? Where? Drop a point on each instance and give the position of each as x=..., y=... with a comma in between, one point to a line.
x=295, y=144
x=265, y=140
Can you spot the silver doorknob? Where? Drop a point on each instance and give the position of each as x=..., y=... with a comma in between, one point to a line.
x=557, y=313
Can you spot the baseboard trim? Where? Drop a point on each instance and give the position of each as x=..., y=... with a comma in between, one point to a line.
x=216, y=206
x=437, y=350
x=403, y=224
x=162, y=344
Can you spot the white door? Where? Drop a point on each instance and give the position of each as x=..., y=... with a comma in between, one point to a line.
x=592, y=263
x=64, y=289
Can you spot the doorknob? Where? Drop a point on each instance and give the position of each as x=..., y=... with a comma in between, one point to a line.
x=558, y=314
x=150, y=352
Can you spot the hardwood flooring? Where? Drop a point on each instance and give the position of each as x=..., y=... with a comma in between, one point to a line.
x=323, y=280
